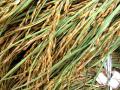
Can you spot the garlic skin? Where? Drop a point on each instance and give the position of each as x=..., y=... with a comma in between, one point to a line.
x=101, y=79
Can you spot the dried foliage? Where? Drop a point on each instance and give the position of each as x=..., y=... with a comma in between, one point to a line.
x=56, y=44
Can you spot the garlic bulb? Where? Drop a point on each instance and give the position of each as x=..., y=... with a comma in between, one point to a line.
x=114, y=81
x=116, y=75
x=101, y=79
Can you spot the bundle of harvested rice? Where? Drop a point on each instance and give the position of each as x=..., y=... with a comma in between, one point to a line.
x=56, y=44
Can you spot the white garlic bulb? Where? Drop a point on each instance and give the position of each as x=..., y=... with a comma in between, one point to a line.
x=101, y=79
x=115, y=80
x=116, y=75
x=113, y=83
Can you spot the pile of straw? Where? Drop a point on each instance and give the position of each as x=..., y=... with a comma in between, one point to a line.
x=56, y=44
